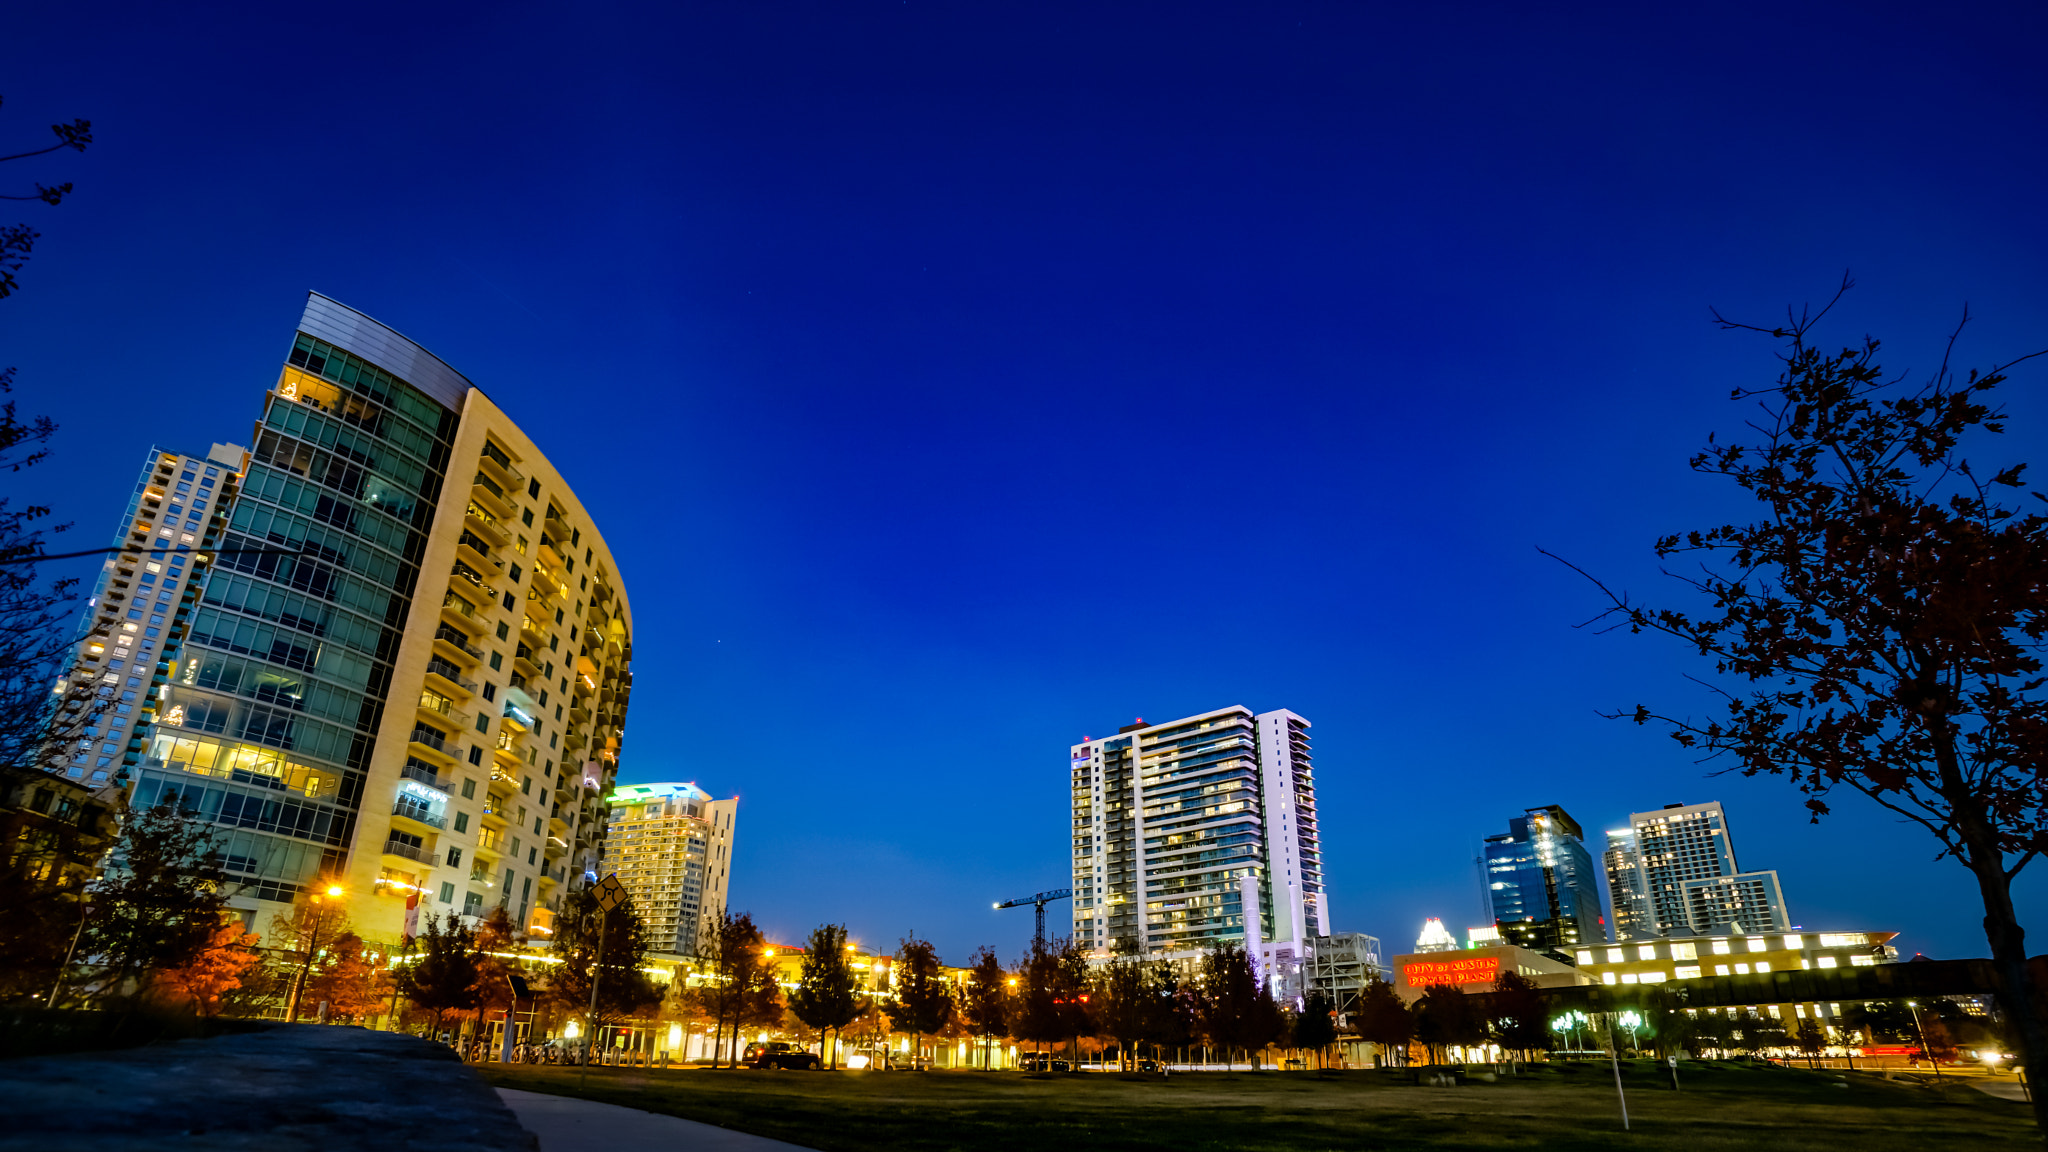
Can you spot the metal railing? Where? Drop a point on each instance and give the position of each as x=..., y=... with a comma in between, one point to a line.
x=396, y=847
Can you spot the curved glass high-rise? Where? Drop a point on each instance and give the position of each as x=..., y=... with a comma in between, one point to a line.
x=409, y=670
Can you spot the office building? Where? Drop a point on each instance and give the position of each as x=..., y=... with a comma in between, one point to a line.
x=671, y=846
x=1540, y=887
x=1628, y=898
x=1693, y=887
x=1199, y=831
x=420, y=688
x=1342, y=966
x=134, y=620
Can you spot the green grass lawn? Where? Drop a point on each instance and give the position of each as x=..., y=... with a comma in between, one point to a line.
x=1722, y=1107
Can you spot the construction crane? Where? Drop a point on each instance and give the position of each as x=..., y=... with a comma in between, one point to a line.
x=1040, y=899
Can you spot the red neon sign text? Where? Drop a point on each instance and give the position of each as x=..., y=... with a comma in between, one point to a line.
x=1463, y=970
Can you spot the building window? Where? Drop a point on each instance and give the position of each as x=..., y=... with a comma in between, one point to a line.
x=497, y=664
x=526, y=517
x=455, y=856
x=447, y=893
x=462, y=818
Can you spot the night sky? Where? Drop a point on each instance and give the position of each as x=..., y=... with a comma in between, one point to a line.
x=955, y=381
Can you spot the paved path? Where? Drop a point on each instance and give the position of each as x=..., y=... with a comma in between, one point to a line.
x=286, y=1088
x=569, y=1125
x=2003, y=1089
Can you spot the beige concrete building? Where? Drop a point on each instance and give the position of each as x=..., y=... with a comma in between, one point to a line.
x=671, y=846
x=425, y=703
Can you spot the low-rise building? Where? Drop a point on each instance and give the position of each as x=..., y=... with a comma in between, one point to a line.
x=1691, y=957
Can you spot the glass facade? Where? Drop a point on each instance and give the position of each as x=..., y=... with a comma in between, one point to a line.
x=1540, y=884
x=269, y=718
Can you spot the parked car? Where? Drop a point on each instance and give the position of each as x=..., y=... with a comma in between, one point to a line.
x=781, y=1054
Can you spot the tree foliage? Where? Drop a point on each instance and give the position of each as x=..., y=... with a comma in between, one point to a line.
x=354, y=982
x=827, y=997
x=440, y=970
x=739, y=986
x=1444, y=1017
x=924, y=1002
x=622, y=988
x=986, y=1001
x=1315, y=1028
x=215, y=970
x=1125, y=1004
x=1381, y=1018
x=159, y=903
x=1519, y=1019
x=1879, y=627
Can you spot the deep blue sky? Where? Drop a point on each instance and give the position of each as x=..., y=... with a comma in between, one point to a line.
x=957, y=380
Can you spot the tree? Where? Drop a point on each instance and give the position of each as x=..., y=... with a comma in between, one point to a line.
x=316, y=919
x=622, y=988
x=1444, y=1017
x=36, y=730
x=827, y=997
x=215, y=969
x=1880, y=626
x=1070, y=983
x=159, y=903
x=986, y=1002
x=1518, y=1013
x=1230, y=995
x=1124, y=1004
x=737, y=981
x=1811, y=1040
x=1036, y=1012
x=924, y=1003
x=1382, y=1019
x=440, y=970
x=1315, y=1029
x=352, y=981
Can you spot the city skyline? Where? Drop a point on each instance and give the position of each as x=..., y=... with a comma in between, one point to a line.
x=896, y=392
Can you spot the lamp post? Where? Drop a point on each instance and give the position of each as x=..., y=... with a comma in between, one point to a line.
x=333, y=891
x=1632, y=1022
x=1913, y=1006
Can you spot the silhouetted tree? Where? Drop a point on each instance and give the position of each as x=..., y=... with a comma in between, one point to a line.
x=1445, y=1016
x=924, y=1003
x=1230, y=1000
x=159, y=904
x=827, y=997
x=735, y=975
x=439, y=974
x=1381, y=1018
x=1881, y=624
x=623, y=989
x=1124, y=1004
x=986, y=1002
x=1519, y=1019
x=1315, y=1029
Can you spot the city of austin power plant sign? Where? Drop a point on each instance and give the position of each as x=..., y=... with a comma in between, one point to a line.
x=1458, y=970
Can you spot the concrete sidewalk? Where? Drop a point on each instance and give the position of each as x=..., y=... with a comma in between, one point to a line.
x=569, y=1125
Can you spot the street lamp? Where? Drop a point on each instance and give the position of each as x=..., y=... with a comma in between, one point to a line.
x=1913, y=1006
x=319, y=901
x=1630, y=1021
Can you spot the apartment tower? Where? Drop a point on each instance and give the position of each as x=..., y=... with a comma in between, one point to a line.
x=409, y=670
x=1628, y=898
x=1686, y=863
x=671, y=846
x=1541, y=890
x=135, y=619
x=1198, y=831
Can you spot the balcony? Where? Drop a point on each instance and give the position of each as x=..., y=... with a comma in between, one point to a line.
x=458, y=640
x=425, y=773
x=481, y=522
x=508, y=475
x=477, y=550
x=417, y=813
x=451, y=674
x=437, y=709
x=404, y=851
x=491, y=495
x=474, y=579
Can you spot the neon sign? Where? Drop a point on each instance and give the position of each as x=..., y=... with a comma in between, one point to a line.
x=1462, y=970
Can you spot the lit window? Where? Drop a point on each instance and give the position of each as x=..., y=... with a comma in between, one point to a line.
x=1862, y=961
x=1628, y=977
x=1758, y=944
x=1646, y=952
x=1826, y=962
x=1607, y=977
x=1585, y=957
x=1720, y=969
x=1742, y=969
x=1794, y=943
x=1614, y=955
x=1763, y=966
x=1721, y=948
x=1685, y=951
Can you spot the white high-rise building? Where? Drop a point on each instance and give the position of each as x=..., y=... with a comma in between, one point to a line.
x=671, y=846
x=1689, y=878
x=1196, y=832
x=1627, y=896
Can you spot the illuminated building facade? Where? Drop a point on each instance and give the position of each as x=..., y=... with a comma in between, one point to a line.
x=421, y=691
x=135, y=619
x=1540, y=886
x=1628, y=897
x=671, y=846
x=1685, y=860
x=1199, y=831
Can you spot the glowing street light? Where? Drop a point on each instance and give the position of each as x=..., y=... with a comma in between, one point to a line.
x=319, y=900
